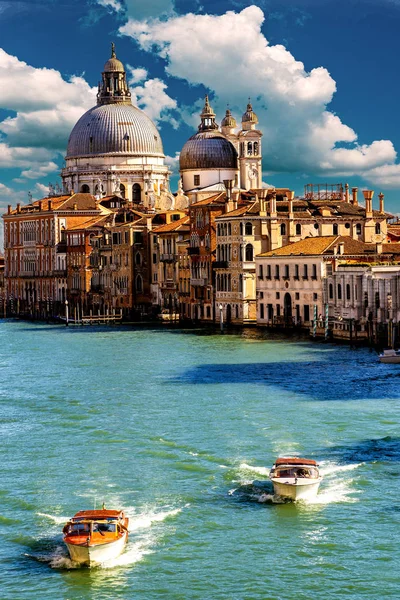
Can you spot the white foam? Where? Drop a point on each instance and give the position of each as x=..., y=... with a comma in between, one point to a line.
x=145, y=521
x=331, y=468
x=58, y=520
x=253, y=469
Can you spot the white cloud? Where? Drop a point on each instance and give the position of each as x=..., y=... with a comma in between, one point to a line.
x=42, y=189
x=173, y=163
x=386, y=176
x=113, y=4
x=135, y=75
x=5, y=191
x=152, y=98
x=46, y=112
x=230, y=55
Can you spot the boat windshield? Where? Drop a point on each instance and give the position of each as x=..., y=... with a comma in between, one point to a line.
x=293, y=472
x=104, y=527
x=79, y=529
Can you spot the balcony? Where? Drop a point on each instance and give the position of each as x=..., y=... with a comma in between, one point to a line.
x=220, y=264
x=194, y=250
x=168, y=257
x=198, y=282
x=168, y=284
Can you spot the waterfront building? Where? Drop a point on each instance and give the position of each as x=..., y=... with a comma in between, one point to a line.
x=172, y=240
x=2, y=288
x=290, y=280
x=115, y=148
x=365, y=297
x=274, y=219
x=35, y=250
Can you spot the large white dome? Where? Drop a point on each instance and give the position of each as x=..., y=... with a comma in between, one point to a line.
x=114, y=129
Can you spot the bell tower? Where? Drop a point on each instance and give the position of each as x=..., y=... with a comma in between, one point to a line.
x=250, y=156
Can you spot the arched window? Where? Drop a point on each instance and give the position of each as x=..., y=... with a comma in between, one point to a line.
x=240, y=283
x=339, y=291
x=139, y=283
x=377, y=300
x=335, y=229
x=241, y=228
x=283, y=229
x=218, y=282
x=122, y=190
x=255, y=146
x=85, y=189
x=377, y=228
x=330, y=291
x=347, y=291
x=358, y=229
x=136, y=193
x=229, y=229
x=138, y=258
x=249, y=148
x=298, y=229
x=249, y=252
x=248, y=230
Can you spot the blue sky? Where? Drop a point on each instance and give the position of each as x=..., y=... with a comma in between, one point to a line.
x=322, y=76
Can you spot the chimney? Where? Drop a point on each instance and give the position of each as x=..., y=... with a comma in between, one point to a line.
x=290, y=204
x=72, y=192
x=368, y=194
x=263, y=207
x=40, y=205
x=75, y=206
x=346, y=193
x=149, y=223
x=355, y=199
x=228, y=183
x=381, y=203
x=18, y=207
x=50, y=205
x=379, y=248
x=9, y=209
x=272, y=205
x=341, y=248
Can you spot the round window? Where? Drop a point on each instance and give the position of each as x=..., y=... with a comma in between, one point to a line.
x=347, y=225
x=316, y=225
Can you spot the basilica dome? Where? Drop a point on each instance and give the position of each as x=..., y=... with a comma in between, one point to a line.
x=114, y=129
x=208, y=150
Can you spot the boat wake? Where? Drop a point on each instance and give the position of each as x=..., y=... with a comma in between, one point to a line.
x=143, y=540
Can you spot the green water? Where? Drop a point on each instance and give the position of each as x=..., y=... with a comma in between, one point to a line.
x=180, y=430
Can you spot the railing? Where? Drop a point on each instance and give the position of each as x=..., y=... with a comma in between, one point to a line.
x=198, y=282
x=169, y=285
x=168, y=257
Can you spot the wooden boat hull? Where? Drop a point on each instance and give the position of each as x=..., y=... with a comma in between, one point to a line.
x=391, y=360
x=96, y=554
x=302, y=489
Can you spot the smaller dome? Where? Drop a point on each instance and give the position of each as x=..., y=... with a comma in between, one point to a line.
x=208, y=150
x=228, y=120
x=249, y=116
x=113, y=64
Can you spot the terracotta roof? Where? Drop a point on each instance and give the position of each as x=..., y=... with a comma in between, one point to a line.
x=313, y=246
x=89, y=223
x=173, y=226
x=320, y=245
x=393, y=248
x=217, y=198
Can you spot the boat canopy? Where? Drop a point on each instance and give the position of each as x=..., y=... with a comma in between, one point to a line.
x=98, y=515
x=295, y=461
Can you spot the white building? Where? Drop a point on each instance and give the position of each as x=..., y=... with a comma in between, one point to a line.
x=116, y=148
x=212, y=156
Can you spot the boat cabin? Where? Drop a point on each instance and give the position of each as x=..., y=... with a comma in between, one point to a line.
x=295, y=468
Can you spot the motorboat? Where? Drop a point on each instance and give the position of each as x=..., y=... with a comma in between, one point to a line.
x=96, y=536
x=390, y=356
x=295, y=478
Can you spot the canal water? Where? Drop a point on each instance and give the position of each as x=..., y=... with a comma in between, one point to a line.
x=180, y=430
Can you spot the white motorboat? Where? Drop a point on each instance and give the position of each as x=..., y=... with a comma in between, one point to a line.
x=390, y=356
x=295, y=478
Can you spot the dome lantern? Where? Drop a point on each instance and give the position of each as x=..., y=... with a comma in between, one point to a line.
x=249, y=118
x=114, y=88
x=207, y=117
x=229, y=120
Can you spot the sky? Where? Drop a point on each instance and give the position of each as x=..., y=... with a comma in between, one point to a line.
x=322, y=76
